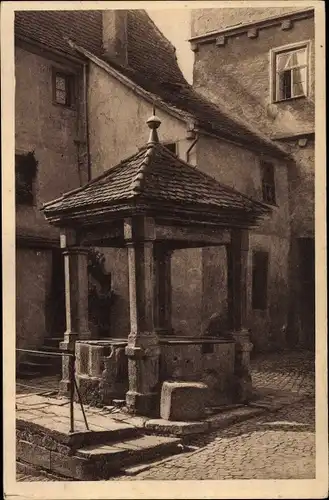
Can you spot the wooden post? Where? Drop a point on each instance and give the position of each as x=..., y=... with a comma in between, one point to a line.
x=143, y=348
x=76, y=303
x=237, y=257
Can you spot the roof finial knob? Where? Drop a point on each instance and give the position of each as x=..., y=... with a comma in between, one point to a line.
x=153, y=123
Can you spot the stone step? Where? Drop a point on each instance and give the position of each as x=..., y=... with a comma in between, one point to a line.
x=46, y=429
x=36, y=368
x=108, y=459
x=24, y=372
x=96, y=462
x=53, y=341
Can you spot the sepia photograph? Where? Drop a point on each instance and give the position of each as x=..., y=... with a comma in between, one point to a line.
x=165, y=287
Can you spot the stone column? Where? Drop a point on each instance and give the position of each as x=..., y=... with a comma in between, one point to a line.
x=162, y=290
x=143, y=348
x=237, y=256
x=76, y=303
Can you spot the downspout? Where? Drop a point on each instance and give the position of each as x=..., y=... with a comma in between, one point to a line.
x=191, y=147
x=86, y=116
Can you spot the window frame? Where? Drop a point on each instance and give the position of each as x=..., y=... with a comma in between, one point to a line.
x=305, y=44
x=71, y=87
x=261, y=304
x=263, y=164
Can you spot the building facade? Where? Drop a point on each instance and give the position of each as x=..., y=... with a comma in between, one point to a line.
x=86, y=82
x=260, y=64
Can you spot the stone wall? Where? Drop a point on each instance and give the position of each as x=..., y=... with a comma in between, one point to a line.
x=33, y=280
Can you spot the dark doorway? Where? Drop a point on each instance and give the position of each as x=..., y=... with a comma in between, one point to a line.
x=58, y=322
x=307, y=290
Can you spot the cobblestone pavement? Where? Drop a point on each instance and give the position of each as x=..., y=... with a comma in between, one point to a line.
x=292, y=371
x=277, y=445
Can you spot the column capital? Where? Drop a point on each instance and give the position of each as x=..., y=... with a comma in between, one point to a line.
x=139, y=228
x=76, y=250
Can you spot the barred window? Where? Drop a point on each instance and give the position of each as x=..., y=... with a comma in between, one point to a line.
x=63, y=88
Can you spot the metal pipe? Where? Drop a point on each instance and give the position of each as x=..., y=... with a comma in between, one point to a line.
x=44, y=353
x=191, y=147
x=81, y=405
x=86, y=118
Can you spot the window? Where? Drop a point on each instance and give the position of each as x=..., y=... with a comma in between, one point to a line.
x=172, y=147
x=63, y=88
x=291, y=72
x=25, y=172
x=268, y=182
x=259, y=280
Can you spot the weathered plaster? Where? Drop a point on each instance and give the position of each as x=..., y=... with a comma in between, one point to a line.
x=49, y=130
x=118, y=122
x=226, y=75
x=33, y=274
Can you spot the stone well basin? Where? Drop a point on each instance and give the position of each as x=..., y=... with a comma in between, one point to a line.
x=102, y=366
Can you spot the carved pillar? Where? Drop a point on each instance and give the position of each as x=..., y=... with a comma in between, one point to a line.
x=76, y=303
x=162, y=290
x=143, y=348
x=237, y=256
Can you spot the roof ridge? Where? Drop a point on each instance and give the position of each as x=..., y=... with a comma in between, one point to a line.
x=137, y=182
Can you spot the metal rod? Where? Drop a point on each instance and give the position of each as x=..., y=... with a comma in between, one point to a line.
x=81, y=405
x=45, y=353
x=72, y=378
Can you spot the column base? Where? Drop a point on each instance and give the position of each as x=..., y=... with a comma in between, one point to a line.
x=64, y=388
x=142, y=404
x=243, y=381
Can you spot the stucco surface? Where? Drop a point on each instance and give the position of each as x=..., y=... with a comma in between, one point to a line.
x=33, y=273
x=118, y=122
x=49, y=130
x=226, y=75
x=206, y=20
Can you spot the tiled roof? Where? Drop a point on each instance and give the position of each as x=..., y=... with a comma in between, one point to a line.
x=51, y=27
x=151, y=64
x=154, y=177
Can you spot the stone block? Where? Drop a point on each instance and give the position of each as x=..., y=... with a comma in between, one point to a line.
x=33, y=454
x=82, y=358
x=172, y=428
x=183, y=401
x=96, y=364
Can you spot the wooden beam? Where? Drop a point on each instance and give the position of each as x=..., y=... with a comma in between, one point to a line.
x=200, y=234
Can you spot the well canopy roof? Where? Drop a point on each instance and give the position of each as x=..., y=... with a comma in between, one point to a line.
x=155, y=181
